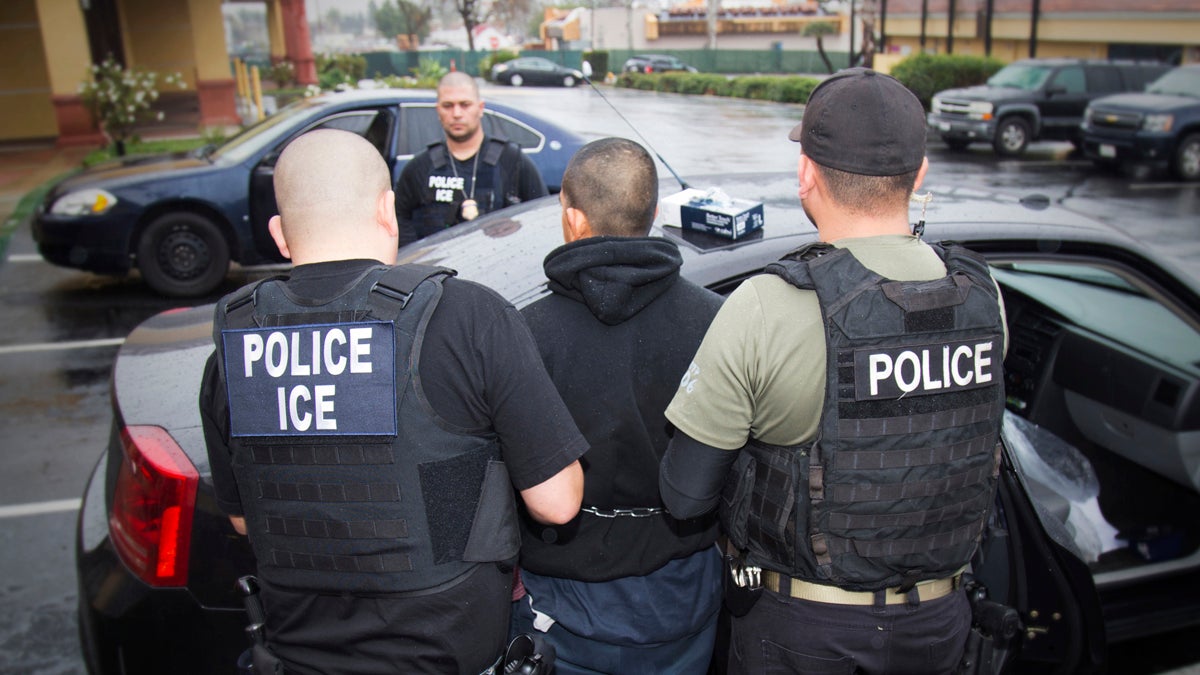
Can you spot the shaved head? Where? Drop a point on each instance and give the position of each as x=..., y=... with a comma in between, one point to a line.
x=457, y=80
x=328, y=184
x=614, y=182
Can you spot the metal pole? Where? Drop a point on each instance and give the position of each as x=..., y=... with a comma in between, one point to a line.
x=1033, y=23
x=989, y=12
x=882, y=46
x=950, y=29
x=852, y=31
x=924, y=16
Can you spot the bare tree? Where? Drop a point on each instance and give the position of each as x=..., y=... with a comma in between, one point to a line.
x=869, y=10
x=473, y=13
x=819, y=29
x=513, y=14
x=714, y=8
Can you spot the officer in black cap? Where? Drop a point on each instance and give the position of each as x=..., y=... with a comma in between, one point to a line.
x=853, y=397
x=465, y=174
x=367, y=425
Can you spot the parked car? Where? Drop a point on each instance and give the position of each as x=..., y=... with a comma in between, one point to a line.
x=1160, y=126
x=1103, y=357
x=181, y=218
x=535, y=70
x=655, y=63
x=1030, y=100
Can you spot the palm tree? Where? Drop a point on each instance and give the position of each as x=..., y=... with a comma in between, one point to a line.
x=819, y=29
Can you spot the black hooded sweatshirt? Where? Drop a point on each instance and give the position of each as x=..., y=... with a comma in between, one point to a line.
x=617, y=334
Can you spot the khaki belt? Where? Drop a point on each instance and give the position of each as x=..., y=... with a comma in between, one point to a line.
x=806, y=590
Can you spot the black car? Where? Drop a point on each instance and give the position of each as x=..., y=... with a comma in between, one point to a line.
x=1032, y=99
x=655, y=63
x=1160, y=126
x=182, y=218
x=535, y=70
x=1093, y=538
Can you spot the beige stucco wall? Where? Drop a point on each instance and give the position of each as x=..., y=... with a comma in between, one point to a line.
x=158, y=37
x=25, y=108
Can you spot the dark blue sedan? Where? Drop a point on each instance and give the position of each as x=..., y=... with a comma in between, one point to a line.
x=182, y=218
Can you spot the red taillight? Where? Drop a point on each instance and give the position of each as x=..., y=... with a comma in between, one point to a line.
x=151, y=521
x=649, y=69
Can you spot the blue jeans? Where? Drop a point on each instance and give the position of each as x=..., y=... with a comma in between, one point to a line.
x=578, y=655
x=784, y=635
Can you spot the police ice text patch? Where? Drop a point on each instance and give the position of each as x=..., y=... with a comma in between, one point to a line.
x=320, y=380
x=915, y=370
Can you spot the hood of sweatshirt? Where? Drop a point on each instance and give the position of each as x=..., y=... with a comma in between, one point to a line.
x=615, y=277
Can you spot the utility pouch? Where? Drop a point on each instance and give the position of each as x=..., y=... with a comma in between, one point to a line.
x=743, y=585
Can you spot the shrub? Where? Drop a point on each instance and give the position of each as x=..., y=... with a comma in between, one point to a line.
x=428, y=73
x=599, y=61
x=283, y=74
x=340, y=69
x=119, y=98
x=927, y=74
x=757, y=87
x=486, y=63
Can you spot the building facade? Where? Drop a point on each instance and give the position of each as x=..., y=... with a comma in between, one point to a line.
x=48, y=47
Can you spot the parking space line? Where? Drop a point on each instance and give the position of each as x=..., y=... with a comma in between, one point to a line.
x=1162, y=186
x=39, y=508
x=59, y=346
x=24, y=257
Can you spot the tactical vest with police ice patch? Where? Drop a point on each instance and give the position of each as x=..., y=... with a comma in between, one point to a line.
x=897, y=485
x=347, y=481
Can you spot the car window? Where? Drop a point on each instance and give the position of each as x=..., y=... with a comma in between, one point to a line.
x=1108, y=304
x=253, y=139
x=1070, y=78
x=421, y=127
x=1105, y=78
x=1178, y=82
x=356, y=122
x=1024, y=77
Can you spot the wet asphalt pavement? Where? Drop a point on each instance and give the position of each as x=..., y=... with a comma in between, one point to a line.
x=61, y=327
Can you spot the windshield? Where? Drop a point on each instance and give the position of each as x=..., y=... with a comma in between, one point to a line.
x=1028, y=78
x=253, y=138
x=1178, y=82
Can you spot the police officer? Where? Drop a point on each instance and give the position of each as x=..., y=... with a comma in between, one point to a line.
x=366, y=427
x=465, y=174
x=855, y=394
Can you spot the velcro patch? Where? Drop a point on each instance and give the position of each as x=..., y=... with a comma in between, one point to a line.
x=918, y=370
x=335, y=379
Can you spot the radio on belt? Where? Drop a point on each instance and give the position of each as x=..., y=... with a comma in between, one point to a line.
x=712, y=211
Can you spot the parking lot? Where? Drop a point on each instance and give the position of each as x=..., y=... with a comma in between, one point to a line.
x=63, y=327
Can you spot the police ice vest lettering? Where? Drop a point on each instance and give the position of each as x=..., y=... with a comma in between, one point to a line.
x=889, y=373
x=444, y=186
x=314, y=380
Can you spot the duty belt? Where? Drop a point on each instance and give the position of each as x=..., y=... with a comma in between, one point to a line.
x=807, y=590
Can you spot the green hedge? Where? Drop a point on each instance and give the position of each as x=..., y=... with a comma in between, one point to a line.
x=780, y=88
x=924, y=74
x=927, y=74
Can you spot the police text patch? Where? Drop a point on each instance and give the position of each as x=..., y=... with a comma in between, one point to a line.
x=318, y=380
x=915, y=370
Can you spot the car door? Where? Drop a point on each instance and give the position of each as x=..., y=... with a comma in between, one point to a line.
x=1066, y=98
x=377, y=125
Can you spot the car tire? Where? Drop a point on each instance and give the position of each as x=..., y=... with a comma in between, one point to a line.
x=516, y=80
x=1186, y=162
x=1012, y=136
x=569, y=81
x=183, y=255
x=956, y=144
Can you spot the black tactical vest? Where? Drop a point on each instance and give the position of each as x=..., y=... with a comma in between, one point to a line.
x=384, y=501
x=497, y=185
x=897, y=485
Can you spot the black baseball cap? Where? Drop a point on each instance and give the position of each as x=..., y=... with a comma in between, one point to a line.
x=863, y=122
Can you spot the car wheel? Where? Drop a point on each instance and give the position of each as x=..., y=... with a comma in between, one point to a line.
x=1012, y=135
x=183, y=255
x=956, y=143
x=569, y=81
x=516, y=80
x=1186, y=163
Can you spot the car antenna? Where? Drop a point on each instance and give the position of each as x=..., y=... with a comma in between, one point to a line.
x=682, y=184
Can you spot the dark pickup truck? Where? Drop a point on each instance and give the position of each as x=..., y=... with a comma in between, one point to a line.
x=1158, y=127
x=1032, y=99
